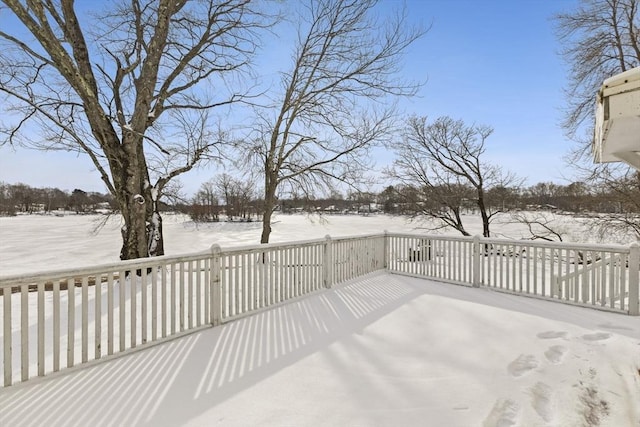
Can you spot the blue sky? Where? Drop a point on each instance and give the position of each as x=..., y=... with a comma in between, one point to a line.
x=492, y=62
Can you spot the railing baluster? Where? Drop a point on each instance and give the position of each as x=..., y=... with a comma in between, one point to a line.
x=277, y=268
x=603, y=281
x=163, y=298
x=308, y=266
x=224, y=291
x=190, y=294
x=544, y=269
x=8, y=341
x=41, y=330
x=85, y=319
x=246, y=265
x=285, y=273
x=208, y=305
x=594, y=291
x=237, y=284
x=624, y=262
x=260, y=282
x=56, y=326
x=316, y=270
x=585, y=279
x=182, y=296
x=97, y=318
x=532, y=259
x=458, y=263
x=143, y=305
x=71, y=322
x=122, y=278
x=575, y=270
x=521, y=281
x=110, y=330
x=555, y=254
x=199, y=300
x=298, y=278
x=266, y=266
x=173, y=296
x=24, y=331
x=612, y=282
x=133, y=307
x=511, y=259
x=154, y=304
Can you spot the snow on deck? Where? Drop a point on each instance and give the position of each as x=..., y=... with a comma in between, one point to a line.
x=384, y=350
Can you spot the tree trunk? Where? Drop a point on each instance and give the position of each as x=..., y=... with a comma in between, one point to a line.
x=269, y=206
x=142, y=231
x=483, y=214
x=458, y=225
x=155, y=236
x=142, y=234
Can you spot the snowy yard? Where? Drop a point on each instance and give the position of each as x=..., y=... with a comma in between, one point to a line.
x=383, y=350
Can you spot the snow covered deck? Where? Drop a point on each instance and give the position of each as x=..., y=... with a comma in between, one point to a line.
x=383, y=350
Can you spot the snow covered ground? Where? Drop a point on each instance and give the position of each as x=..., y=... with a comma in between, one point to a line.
x=42, y=242
x=384, y=350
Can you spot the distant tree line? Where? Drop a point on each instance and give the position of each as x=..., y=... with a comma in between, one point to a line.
x=225, y=197
x=615, y=204
x=575, y=197
x=21, y=198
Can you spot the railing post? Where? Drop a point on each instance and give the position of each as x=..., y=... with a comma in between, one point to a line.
x=476, y=261
x=385, y=250
x=328, y=263
x=214, y=286
x=634, y=279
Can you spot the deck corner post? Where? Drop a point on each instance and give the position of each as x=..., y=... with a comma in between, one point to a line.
x=476, y=261
x=634, y=279
x=215, y=285
x=385, y=251
x=327, y=266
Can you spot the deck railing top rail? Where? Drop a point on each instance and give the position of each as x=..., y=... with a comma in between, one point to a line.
x=127, y=265
x=528, y=242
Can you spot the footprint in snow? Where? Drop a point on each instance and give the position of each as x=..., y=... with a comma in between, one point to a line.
x=523, y=364
x=551, y=335
x=541, y=400
x=503, y=414
x=555, y=353
x=597, y=336
x=610, y=325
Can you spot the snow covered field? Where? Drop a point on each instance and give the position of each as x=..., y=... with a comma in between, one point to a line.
x=384, y=350
x=35, y=242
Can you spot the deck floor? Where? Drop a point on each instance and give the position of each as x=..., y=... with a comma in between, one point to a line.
x=385, y=350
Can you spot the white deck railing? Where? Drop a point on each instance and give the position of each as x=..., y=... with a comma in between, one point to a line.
x=58, y=319
x=597, y=276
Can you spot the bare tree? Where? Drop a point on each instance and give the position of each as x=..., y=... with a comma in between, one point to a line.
x=541, y=225
x=132, y=88
x=424, y=191
x=23, y=197
x=622, y=189
x=332, y=103
x=445, y=158
x=236, y=193
x=205, y=205
x=600, y=38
